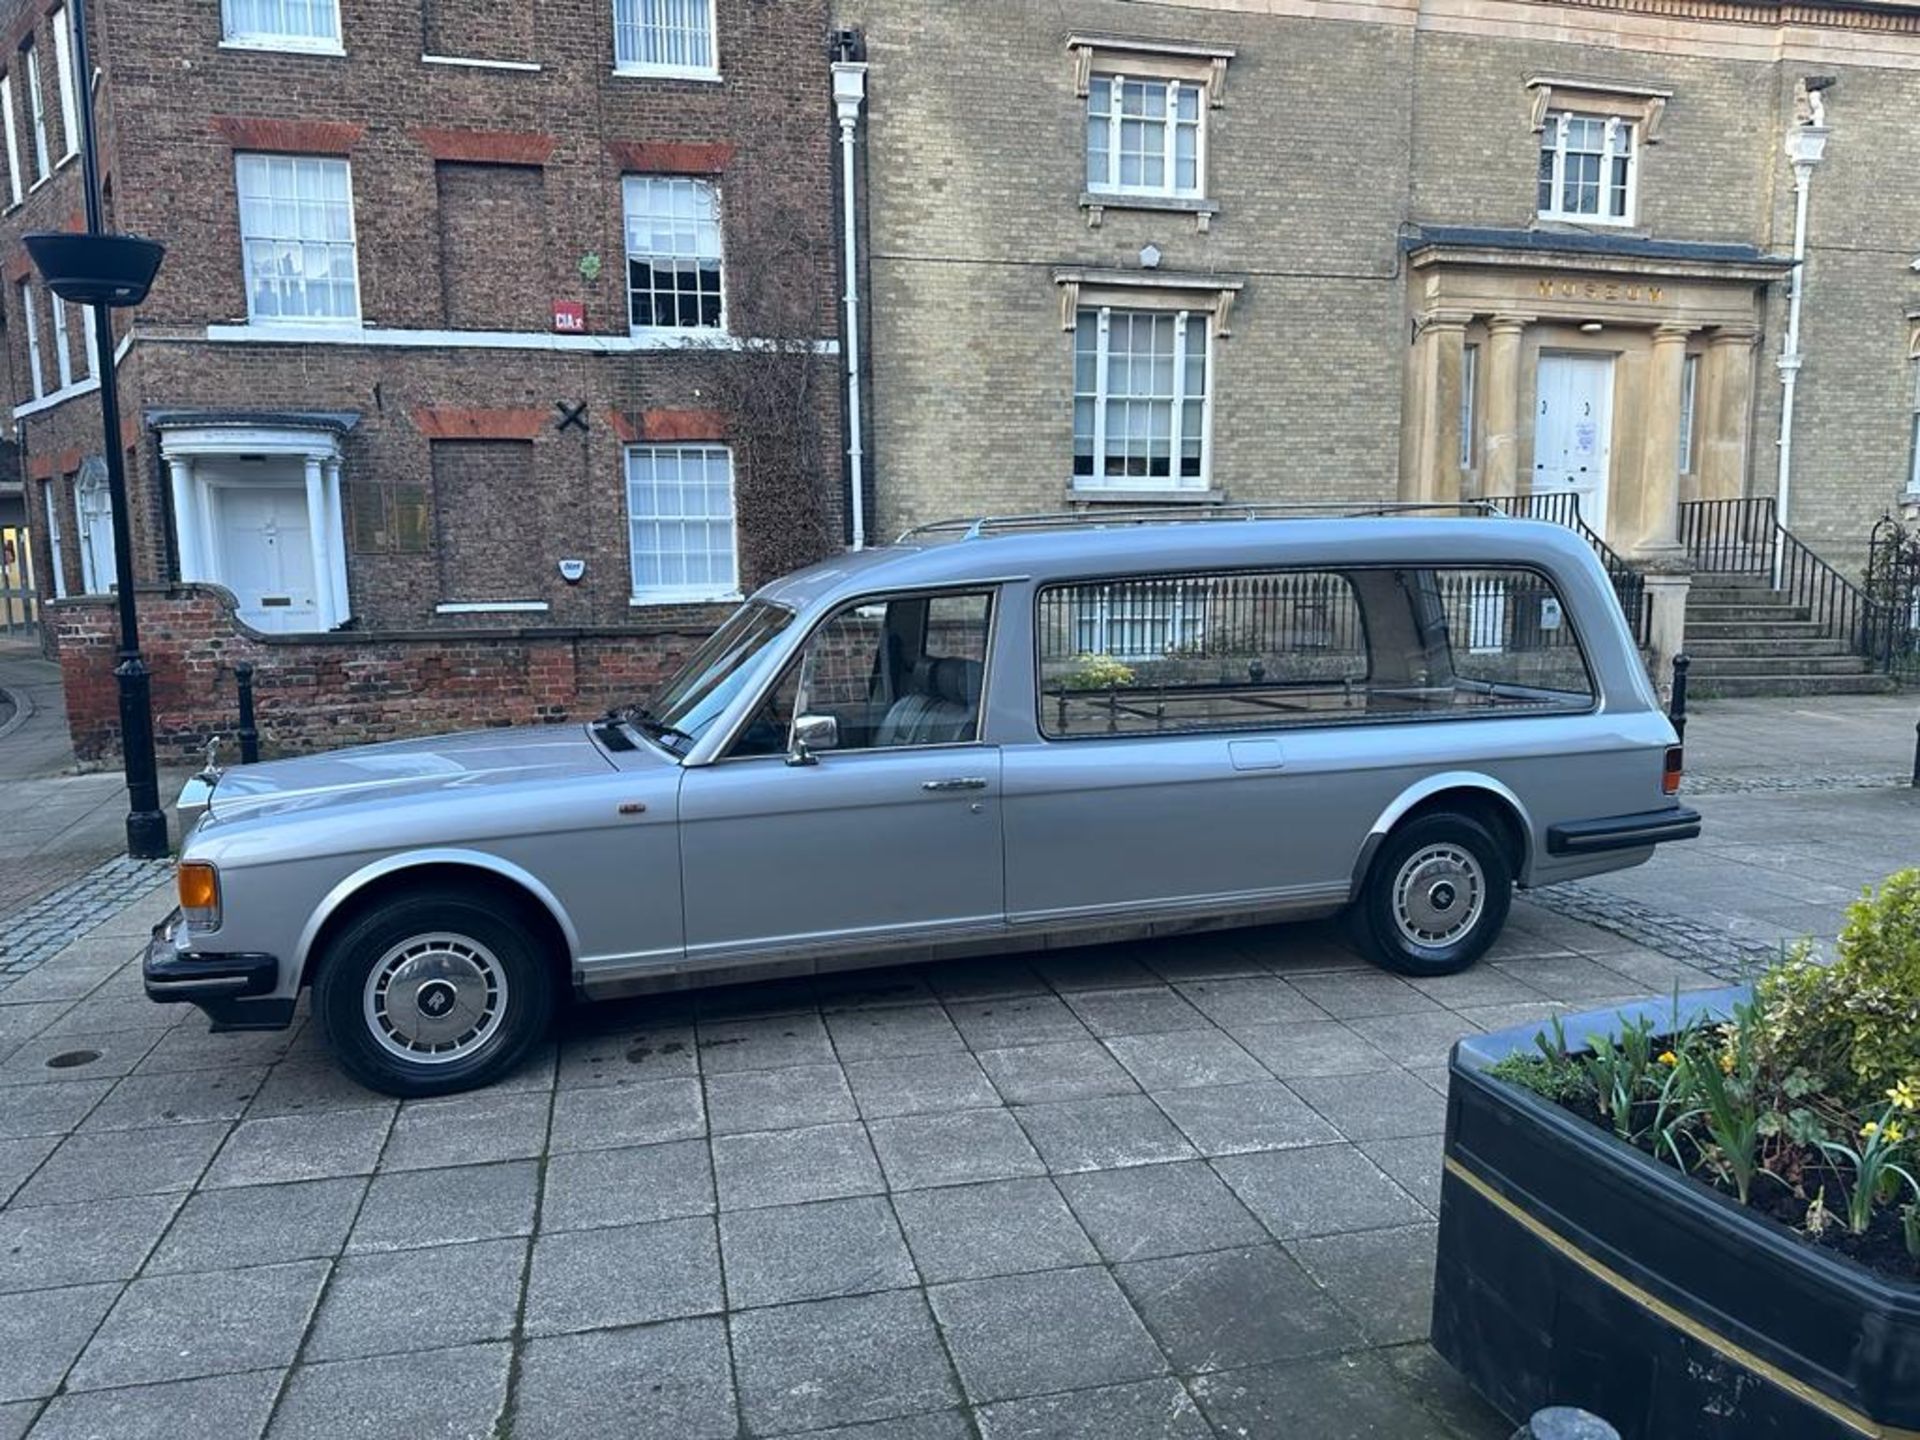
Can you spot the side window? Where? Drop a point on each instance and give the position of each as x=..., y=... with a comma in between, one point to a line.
x=903, y=671
x=1268, y=649
x=1511, y=640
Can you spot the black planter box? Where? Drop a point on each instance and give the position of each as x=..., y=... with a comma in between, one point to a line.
x=1574, y=1269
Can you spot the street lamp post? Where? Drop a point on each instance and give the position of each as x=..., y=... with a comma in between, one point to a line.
x=106, y=272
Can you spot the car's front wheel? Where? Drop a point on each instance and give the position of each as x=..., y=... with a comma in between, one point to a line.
x=1436, y=897
x=434, y=992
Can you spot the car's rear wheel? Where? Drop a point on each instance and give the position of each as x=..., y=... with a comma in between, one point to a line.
x=1436, y=896
x=430, y=993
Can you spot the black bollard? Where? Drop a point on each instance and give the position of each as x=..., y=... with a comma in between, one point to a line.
x=1677, y=705
x=1563, y=1422
x=249, y=732
x=1916, y=755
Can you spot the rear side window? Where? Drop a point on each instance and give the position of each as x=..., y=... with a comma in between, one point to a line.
x=1251, y=650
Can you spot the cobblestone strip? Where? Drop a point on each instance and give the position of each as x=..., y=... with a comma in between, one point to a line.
x=1695, y=942
x=37, y=931
x=1760, y=784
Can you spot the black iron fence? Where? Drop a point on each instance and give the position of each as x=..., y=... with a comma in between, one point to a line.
x=1745, y=537
x=1563, y=508
x=1892, y=581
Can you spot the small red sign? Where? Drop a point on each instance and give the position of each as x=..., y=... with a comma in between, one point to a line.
x=570, y=317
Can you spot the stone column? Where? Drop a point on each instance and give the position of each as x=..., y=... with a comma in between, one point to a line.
x=317, y=530
x=186, y=518
x=337, y=541
x=1500, y=384
x=1659, y=541
x=1438, y=360
x=1726, y=412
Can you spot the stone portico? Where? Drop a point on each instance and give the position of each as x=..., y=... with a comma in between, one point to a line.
x=1651, y=344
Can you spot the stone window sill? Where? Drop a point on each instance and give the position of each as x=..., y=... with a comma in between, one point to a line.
x=1097, y=202
x=1144, y=497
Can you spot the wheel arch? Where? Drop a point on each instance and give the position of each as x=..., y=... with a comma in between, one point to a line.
x=1463, y=791
x=395, y=874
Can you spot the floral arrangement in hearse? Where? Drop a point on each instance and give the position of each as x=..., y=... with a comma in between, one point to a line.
x=1804, y=1104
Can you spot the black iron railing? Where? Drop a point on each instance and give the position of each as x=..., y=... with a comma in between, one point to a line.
x=1745, y=537
x=1563, y=508
x=1892, y=580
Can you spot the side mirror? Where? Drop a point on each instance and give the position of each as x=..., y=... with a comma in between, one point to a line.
x=811, y=733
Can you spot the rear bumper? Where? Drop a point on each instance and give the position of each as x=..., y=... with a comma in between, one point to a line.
x=234, y=989
x=1623, y=832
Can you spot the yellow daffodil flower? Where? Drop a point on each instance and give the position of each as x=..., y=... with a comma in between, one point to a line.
x=1667, y=1058
x=1869, y=1130
x=1726, y=1064
x=1906, y=1093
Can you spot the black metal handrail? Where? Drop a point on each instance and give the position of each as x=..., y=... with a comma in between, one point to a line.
x=1892, y=579
x=1745, y=537
x=1562, y=507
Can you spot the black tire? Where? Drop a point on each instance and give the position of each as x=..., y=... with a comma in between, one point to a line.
x=1439, y=859
x=476, y=958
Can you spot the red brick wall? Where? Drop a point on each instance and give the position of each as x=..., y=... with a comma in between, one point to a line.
x=348, y=689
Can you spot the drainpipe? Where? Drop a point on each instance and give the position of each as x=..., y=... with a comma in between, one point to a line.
x=849, y=91
x=1806, y=143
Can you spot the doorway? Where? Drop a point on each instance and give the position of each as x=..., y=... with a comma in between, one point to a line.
x=266, y=555
x=1573, y=431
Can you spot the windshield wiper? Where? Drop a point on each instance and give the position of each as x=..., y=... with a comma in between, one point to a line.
x=642, y=718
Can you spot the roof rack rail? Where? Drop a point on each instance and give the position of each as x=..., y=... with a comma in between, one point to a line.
x=976, y=527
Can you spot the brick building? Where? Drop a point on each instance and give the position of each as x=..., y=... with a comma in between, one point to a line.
x=1201, y=250
x=494, y=345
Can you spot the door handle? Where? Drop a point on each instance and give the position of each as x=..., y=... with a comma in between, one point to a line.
x=959, y=782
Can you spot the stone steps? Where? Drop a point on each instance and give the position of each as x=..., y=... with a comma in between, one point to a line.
x=1712, y=666
x=1747, y=638
x=1729, y=687
x=1716, y=647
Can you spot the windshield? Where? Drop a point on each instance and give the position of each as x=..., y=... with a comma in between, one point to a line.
x=717, y=672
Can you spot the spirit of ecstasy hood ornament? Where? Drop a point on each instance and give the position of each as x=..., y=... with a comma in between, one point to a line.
x=211, y=771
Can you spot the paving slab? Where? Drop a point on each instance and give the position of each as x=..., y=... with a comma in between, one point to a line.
x=1225, y=1309
x=447, y=1395
x=918, y=1151
x=789, y=1167
x=42, y=1247
x=1382, y=1278
x=302, y=1147
x=261, y=1225
x=607, y=1117
x=1150, y=1211
x=412, y=1208
x=623, y=1275
x=919, y=1084
x=177, y=1327
x=433, y=1299
x=1001, y=1227
x=219, y=1407
x=101, y=1166
x=474, y=1129
x=1236, y=1119
x=1144, y=1410
x=1093, y=1335
x=822, y=1363
x=628, y=1186
x=818, y=1251
x=659, y=1382
x=786, y=1099
x=42, y=1332
x=1102, y=1134
x=1059, y=1070
x=1344, y=1397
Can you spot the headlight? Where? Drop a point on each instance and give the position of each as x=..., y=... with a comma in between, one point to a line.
x=199, y=894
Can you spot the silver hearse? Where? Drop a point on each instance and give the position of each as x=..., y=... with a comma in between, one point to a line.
x=988, y=736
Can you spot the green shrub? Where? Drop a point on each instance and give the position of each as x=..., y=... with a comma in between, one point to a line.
x=1856, y=1022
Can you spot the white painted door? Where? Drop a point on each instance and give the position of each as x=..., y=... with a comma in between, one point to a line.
x=1573, y=431
x=93, y=507
x=265, y=555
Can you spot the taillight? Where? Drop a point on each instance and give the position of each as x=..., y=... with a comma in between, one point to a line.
x=199, y=895
x=1670, y=775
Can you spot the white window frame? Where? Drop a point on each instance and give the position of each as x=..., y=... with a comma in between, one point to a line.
x=62, y=348
x=669, y=70
x=1557, y=124
x=1913, y=464
x=1172, y=189
x=1181, y=607
x=1102, y=317
x=37, y=113
x=353, y=231
x=685, y=594
x=628, y=185
x=50, y=491
x=1469, y=388
x=14, y=185
x=93, y=479
x=1689, y=403
x=34, y=360
x=233, y=39
x=69, y=93
x=90, y=338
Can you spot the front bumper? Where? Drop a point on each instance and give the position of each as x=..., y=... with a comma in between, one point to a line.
x=1623, y=832
x=235, y=990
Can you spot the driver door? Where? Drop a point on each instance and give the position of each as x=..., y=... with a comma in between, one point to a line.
x=887, y=833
